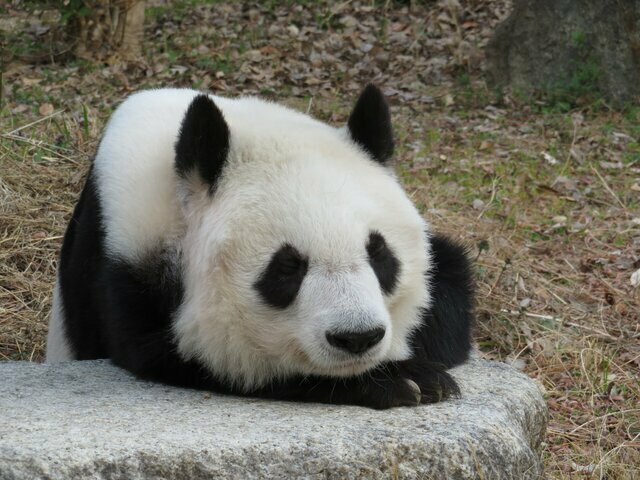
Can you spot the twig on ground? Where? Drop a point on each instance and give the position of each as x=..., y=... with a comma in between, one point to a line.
x=46, y=117
x=608, y=188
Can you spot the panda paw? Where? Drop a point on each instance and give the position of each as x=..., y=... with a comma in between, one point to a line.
x=410, y=395
x=437, y=388
x=428, y=382
x=398, y=392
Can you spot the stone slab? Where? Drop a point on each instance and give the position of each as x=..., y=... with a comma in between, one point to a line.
x=92, y=420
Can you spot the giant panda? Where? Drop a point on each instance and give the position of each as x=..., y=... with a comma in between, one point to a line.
x=238, y=246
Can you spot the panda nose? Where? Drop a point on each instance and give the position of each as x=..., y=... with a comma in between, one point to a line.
x=355, y=342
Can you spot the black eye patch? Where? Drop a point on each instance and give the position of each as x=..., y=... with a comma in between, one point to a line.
x=384, y=263
x=280, y=282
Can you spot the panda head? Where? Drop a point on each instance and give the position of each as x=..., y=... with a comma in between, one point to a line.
x=302, y=253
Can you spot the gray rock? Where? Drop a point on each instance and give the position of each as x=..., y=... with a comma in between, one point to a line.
x=569, y=48
x=92, y=420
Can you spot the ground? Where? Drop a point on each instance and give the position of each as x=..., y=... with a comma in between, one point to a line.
x=546, y=194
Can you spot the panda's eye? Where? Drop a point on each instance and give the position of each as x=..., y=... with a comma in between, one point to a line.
x=280, y=282
x=384, y=262
x=289, y=262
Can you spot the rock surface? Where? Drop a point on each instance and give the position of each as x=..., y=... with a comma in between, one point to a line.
x=93, y=420
x=570, y=47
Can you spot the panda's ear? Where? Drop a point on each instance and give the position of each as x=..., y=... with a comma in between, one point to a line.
x=203, y=142
x=370, y=124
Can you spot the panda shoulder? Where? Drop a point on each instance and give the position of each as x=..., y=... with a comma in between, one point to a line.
x=134, y=171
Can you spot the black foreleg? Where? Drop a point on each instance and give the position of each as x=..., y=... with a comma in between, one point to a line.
x=392, y=384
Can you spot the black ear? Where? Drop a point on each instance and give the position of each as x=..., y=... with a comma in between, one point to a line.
x=370, y=124
x=203, y=142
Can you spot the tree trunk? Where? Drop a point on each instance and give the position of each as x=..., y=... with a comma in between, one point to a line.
x=571, y=48
x=110, y=28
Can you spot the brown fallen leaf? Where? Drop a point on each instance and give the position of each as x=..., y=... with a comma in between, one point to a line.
x=46, y=109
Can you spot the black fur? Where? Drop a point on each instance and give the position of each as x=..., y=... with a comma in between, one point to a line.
x=280, y=282
x=445, y=335
x=370, y=124
x=80, y=266
x=138, y=305
x=384, y=263
x=380, y=388
x=203, y=142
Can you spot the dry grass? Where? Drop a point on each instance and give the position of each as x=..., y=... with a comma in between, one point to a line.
x=556, y=238
x=37, y=190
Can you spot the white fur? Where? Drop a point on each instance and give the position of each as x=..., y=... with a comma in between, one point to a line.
x=288, y=178
x=57, y=347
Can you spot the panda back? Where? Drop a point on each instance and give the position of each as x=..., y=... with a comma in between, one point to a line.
x=134, y=173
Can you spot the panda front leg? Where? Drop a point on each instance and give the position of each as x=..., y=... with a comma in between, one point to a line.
x=138, y=304
x=392, y=384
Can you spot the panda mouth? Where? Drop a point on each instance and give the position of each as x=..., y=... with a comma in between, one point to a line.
x=352, y=363
x=351, y=367
x=330, y=364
